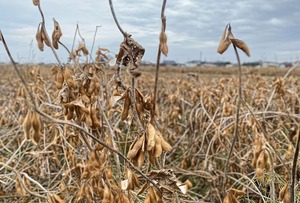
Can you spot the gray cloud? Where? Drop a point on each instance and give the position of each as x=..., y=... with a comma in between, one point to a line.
x=270, y=28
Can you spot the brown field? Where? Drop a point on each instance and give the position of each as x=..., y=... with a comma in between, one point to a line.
x=196, y=115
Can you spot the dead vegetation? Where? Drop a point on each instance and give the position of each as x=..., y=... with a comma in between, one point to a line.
x=90, y=133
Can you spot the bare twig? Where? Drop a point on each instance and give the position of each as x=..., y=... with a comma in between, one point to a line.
x=163, y=21
x=98, y=26
x=116, y=20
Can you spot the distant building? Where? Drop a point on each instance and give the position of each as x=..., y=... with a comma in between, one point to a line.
x=266, y=64
x=169, y=63
x=147, y=63
x=193, y=63
x=285, y=65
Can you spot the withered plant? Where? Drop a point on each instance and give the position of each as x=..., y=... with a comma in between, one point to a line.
x=79, y=132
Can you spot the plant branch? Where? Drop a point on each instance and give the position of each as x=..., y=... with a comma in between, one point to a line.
x=98, y=26
x=115, y=19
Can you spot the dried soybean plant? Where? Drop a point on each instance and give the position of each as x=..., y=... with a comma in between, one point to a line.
x=149, y=141
x=226, y=40
x=82, y=139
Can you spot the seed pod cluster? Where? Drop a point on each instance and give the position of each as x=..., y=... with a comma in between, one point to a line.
x=261, y=158
x=153, y=196
x=100, y=56
x=56, y=34
x=82, y=48
x=32, y=121
x=228, y=38
x=262, y=163
x=151, y=142
x=139, y=103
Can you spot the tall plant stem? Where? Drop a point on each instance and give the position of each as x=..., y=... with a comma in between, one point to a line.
x=98, y=26
x=296, y=154
x=236, y=118
x=163, y=19
x=115, y=18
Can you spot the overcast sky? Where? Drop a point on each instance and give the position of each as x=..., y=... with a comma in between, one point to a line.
x=271, y=28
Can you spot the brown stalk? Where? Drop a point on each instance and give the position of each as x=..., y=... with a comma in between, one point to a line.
x=115, y=19
x=75, y=34
x=296, y=154
x=236, y=118
x=133, y=105
x=58, y=121
x=163, y=21
x=113, y=136
x=98, y=26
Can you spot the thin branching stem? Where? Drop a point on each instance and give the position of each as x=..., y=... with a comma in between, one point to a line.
x=94, y=39
x=75, y=34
